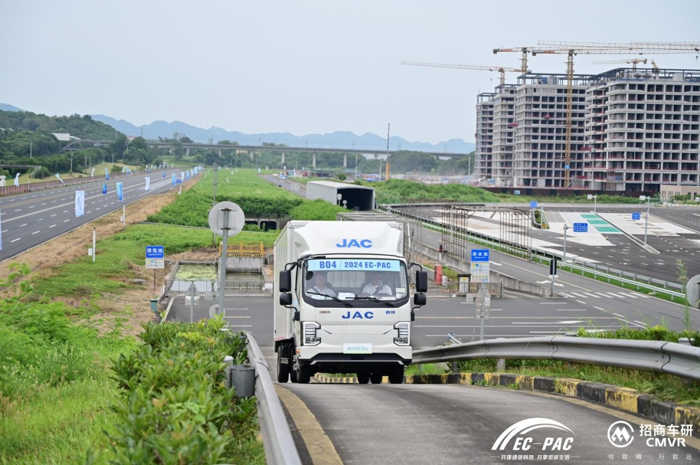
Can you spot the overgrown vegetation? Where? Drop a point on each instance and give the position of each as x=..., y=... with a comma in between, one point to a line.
x=399, y=191
x=55, y=383
x=257, y=197
x=174, y=405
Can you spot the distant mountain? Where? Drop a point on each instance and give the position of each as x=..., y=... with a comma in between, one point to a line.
x=337, y=139
x=7, y=107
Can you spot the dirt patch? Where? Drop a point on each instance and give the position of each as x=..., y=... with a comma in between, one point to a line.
x=129, y=309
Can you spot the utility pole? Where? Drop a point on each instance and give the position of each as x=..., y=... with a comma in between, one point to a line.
x=566, y=228
x=388, y=133
x=30, y=149
x=214, y=183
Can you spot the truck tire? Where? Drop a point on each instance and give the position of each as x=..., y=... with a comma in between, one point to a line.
x=363, y=377
x=396, y=375
x=303, y=374
x=283, y=368
x=376, y=378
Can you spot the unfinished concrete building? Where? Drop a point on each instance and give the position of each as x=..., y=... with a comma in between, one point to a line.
x=503, y=134
x=642, y=130
x=540, y=133
x=484, y=135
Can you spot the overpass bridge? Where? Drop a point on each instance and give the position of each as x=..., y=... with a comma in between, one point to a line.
x=251, y=149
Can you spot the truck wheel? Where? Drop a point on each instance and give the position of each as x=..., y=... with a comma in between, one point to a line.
x=363, y=377
x=303, y=374
x=376, y=378
x=282, y=368
x=396, y=375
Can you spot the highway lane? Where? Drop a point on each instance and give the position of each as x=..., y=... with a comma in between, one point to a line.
x=31, y=219
x=626, y=254
x=516, y=315
x=449, y=424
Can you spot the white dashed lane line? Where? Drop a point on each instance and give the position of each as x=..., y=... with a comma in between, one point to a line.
x=53, y=225
x=22, y=225
x=16, y=239
x=66, y=221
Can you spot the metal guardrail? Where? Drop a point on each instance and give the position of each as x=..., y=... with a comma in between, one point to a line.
x=661, y=357
x=640, y=281
x=277, y=437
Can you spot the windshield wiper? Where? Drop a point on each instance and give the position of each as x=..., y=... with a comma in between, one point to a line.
x=331, y=297
x=374, y=299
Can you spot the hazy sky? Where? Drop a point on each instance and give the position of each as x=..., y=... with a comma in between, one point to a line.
x=301, y=67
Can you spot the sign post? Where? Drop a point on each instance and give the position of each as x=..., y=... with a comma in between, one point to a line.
x=553, y=273
x=646, y=218
x=225, y=219
x=155, y=260
x=192, y=290
x=480, y=268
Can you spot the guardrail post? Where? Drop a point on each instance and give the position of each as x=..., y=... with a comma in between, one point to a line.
x=501, y=365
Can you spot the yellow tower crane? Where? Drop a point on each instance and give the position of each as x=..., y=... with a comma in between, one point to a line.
x=501, y=69
x=575, y=48
x=629, y=61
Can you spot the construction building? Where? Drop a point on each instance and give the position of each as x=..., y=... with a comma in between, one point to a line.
x=484, y=134
x=633, y=130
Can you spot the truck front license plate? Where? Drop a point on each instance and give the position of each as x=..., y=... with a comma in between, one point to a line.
x=357, y=348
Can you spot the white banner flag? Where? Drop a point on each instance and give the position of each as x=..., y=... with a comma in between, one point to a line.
x=92, y=175
x=17, y=180
x=182, y=175
x=59, y=178
x=123, y=169
x=79, y=203
x=148, y=183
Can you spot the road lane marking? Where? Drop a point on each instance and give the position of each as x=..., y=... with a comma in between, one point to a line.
x=581, y=302
x=16, y=239
x=66, y=221
x=52, y=226
x=36, y=232
x=22, y=225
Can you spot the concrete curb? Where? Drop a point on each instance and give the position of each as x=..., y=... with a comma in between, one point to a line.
x=620, y=398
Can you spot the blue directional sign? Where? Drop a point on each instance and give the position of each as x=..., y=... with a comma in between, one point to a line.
x=155, y=251
x=580, y=227
x=636, y=216
x=533, y=204
x=480, y=255
x=516, y=192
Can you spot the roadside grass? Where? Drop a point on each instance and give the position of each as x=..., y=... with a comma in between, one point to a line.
x=56, y=387
x=257, y=197
x=120, y=257
x=99, y=172
x=573, y=199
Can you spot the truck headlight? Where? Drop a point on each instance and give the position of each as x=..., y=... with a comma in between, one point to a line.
x=404, y=336
x=310, y=337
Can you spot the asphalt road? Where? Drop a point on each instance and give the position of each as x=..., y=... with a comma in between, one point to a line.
x=455, y=424
x=626, y=254
x=516, y=315
x=31, y=219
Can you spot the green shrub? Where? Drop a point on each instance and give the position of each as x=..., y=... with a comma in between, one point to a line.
x=316, y=210
x=175, y=407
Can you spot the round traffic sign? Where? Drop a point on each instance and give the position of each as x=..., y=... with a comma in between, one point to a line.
x=692, y=291
x=236, y=218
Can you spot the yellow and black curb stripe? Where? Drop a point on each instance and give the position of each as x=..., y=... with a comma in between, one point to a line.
x=321, y=378
x=620, y=398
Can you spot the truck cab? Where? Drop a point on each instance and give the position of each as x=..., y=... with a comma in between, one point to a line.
x=343, y=301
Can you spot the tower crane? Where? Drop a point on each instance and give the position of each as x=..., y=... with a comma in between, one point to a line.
x=501, y=69
x=575, y=48
x=632, y=61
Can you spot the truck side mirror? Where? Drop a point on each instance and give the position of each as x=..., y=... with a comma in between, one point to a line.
x=421, y=281
x=419, y=299
x=286, y=298
x=285, y=281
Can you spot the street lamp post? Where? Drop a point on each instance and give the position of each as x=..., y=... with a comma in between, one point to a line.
x=566, y=228
x=646, y=219
x=339, y=197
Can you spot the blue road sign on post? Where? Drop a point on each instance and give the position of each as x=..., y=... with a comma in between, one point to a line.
x=580, y=227
x=533, y=204
x=636, y=216
x=155, y=251
x=480, y=255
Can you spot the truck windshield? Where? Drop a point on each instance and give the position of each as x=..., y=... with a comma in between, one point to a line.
x=354, y=279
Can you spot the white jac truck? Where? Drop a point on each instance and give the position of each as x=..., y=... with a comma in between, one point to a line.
x=342, y=300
